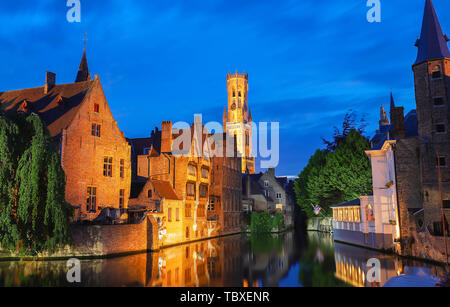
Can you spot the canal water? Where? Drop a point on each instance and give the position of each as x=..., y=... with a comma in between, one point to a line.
x=285, y=260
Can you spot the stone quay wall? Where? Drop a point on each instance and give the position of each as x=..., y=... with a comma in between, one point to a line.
x=321, y=224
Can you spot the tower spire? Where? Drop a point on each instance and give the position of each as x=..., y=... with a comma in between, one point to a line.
x=83, y=71
x=384, y=121
x=432, y=43
x=392, y=101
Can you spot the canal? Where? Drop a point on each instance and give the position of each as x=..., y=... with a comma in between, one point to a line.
x=285, y=260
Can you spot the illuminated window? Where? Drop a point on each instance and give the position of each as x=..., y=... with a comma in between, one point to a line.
x=369, y=213
x=201, y=210
x=212, y=205
x=96, y=107
x=107, y=166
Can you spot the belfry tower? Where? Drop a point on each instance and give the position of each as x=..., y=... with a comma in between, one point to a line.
x=432, y=88
x=238, y=120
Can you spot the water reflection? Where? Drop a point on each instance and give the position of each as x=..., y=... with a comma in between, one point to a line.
x=287, y=259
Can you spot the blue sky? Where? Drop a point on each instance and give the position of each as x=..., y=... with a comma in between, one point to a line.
x=308, y=61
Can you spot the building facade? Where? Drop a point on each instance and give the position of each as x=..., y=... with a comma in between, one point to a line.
x=94, y=153
x=266, y=192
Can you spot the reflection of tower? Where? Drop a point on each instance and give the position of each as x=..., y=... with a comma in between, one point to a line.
x=238, y=121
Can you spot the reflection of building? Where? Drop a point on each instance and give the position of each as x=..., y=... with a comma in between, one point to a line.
x=351, y=266
x=94, y=154
x=266, y=192
x=269, y=259
x=239, y=120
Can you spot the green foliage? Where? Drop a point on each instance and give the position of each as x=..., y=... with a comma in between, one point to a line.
x=340, y=173
x=33, y=212
x=266, y=243
x=264, y=223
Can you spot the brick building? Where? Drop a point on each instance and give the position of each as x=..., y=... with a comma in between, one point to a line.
x=188, y=174
x=225, y=205
x=94, y=153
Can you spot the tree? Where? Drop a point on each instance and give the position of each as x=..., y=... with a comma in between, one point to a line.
x=339, y=173
x=33, y=213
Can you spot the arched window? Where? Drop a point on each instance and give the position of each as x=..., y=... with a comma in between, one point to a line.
x=369, y=213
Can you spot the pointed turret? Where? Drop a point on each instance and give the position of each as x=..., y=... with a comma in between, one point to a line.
x=432, y=43
x=384, y=121
x=392, y=101
x=250, y=118
x=83, y=71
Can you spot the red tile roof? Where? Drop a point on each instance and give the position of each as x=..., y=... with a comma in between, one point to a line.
x=165, y=190
x=57, y=108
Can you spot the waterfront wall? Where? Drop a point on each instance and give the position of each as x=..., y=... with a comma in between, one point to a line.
x=322, y=224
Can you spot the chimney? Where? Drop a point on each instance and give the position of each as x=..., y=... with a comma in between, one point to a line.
x=271, y=171
x=50, y=81
x=166, y=136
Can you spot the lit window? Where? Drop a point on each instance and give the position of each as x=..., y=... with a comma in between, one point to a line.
x=369, y=213
x=212, y=205
x=107, y=166
x=96, y=107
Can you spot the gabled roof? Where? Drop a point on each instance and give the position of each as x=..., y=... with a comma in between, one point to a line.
x=432, y=43
x=165, y=189
x=57, y=108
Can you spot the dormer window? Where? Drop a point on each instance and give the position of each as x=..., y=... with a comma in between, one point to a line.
x=436, y=73
x=96, y=108
x=23, y=107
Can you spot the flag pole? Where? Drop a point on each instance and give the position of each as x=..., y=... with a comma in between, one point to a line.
x=444, y=226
